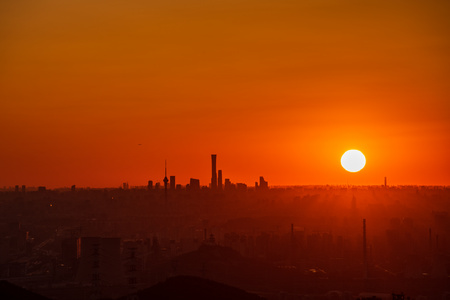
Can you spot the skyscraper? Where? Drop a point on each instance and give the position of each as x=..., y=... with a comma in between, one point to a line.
x=219, y=183
x=172, y=182
x=214, y=173
x=262, y=183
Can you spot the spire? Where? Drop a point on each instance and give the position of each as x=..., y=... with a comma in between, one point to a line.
x=165, y=174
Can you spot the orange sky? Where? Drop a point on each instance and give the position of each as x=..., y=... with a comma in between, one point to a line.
x=274, y=88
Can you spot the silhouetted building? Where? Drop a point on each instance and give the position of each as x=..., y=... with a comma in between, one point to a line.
x=150, y=185
x=125, y=185
x=211, y=241
x=135, y=254
x=24, y=188
x=227, y=183
x=194, y=184
x=41, y=189
x=155, y=250
x=262, y=183
x=219, y=183
x=214, y=173
x=73, y=188
x=99, y=261
x=172, y=182
x=69, y=252
x=241, y=186
x=16, y=189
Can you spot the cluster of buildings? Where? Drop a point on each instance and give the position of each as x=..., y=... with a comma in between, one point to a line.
x=217, y=181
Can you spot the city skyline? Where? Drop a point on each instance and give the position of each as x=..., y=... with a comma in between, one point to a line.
x=215, y=182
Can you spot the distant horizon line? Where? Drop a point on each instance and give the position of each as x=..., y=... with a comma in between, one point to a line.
x=145, y=187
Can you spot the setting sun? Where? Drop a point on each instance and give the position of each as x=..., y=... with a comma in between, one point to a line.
x=353, y=161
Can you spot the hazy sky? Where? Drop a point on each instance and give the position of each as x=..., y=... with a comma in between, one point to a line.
x=274, y=88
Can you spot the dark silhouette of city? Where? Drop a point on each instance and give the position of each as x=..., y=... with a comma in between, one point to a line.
x=225, y=240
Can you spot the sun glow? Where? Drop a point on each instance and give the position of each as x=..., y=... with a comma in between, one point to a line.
x=353, y=161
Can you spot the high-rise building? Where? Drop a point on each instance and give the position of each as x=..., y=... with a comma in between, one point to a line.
x=150, y=185
x=214, y=172
x=262, y=183
x=227, y=183
x=135, y=254
x=99, y=261
x=219, y=184
x=241, y=186
x=172, y=182
x=194, y=184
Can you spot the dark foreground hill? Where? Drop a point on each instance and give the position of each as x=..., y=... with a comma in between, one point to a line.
x=190, y=287
x=13, y=292
x=225, y=265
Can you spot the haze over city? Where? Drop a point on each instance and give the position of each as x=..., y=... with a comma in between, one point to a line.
x=232, y=149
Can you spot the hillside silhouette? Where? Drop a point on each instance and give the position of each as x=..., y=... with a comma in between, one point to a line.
x=10, y=291
x=190, y=287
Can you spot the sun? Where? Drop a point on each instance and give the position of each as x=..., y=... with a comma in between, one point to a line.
x=353, y=161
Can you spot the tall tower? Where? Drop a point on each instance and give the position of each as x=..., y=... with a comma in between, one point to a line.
x=219, y=183
x=214, y=173
x=165, y=180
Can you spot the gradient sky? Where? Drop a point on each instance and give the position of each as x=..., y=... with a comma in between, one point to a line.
x=274, y=88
